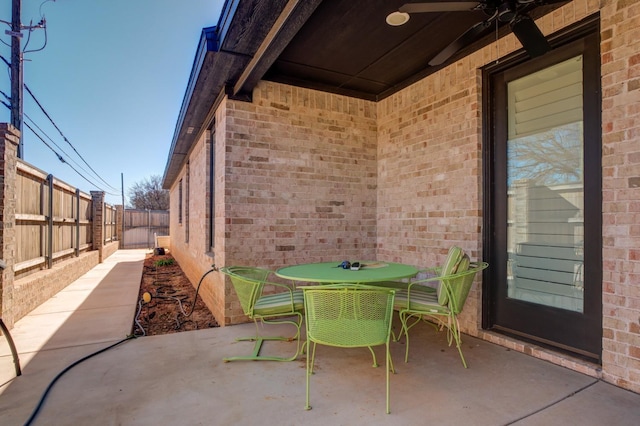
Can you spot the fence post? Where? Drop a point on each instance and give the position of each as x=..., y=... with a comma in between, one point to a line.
x=120, y=225
x=97, y=225
x=9, y=138
x=77, y=222
x=49, y=254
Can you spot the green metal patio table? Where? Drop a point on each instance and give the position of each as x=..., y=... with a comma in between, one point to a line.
x=331, y=272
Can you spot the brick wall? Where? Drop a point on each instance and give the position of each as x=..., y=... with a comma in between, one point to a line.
x=97, y=216
x=39, y=287
x=110, y=248
x=189, y=243
x=620, y=48
x=296, y=182
x=33, y=290
x=430, y=173
x=429, y=141
x=300, y=179
x=9, y=138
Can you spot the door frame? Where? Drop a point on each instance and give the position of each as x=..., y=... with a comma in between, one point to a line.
x=587, y=28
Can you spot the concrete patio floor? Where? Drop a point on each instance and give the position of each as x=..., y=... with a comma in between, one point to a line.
x=180, y=379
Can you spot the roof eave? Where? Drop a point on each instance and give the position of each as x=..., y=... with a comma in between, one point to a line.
x=224, y=52
x=207, y=49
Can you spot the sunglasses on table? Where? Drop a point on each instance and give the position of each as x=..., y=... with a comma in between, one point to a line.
x=348, y=265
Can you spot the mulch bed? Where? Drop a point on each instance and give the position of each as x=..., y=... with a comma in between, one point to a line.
x=171, y=304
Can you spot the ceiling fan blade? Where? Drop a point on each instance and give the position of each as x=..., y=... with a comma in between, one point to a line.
x=462, y=41
x=455, y=6
x=530, y=36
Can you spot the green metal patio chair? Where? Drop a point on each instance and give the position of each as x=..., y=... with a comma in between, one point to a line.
x=275, y=308
x=348, y=316
x=454, y=280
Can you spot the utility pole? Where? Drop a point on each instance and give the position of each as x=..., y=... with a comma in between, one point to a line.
x=17, y=76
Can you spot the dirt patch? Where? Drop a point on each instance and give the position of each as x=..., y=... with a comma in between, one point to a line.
x=170, y=309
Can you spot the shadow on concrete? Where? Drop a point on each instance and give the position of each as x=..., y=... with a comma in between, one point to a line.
x=181, y=379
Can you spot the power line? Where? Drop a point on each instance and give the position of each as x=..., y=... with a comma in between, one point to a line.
x=42, y=24
x=6, y=96
x=62, y=160
x=8, y=65
x=59, y=131
x=65, y=138
x=17, y=83
x=60, y=157
x=54, y=143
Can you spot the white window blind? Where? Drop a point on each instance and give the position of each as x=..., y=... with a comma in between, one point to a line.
x=546, y=99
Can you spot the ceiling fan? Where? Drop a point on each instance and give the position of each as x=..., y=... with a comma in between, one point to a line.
x=515, y=12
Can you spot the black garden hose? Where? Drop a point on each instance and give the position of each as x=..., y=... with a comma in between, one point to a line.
x=193, y=306
x=132, y=336
x=12, y=346
x=46, y=392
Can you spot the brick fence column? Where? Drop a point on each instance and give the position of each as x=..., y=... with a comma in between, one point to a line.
x=120, y=225
x=9, y=138
x=97, y=225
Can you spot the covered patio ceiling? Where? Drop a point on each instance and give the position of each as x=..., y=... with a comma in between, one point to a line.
x=347, y=47
x=337, y=46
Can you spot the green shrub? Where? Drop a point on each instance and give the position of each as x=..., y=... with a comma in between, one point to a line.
x=163, y=262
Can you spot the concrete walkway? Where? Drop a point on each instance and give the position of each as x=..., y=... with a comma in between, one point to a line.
x=180, y=379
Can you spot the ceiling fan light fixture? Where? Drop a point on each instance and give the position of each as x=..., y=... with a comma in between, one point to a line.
x=397, y=18
x=506, y=12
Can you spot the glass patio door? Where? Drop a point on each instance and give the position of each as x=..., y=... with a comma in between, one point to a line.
x=546, y=201
x=545, y=187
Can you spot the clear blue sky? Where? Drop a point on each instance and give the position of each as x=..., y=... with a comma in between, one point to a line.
x=112, y=76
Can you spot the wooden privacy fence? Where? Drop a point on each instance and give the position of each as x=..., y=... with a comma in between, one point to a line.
x=110, y=223
x=50, y=232
x=53, y=221
x=141, y=227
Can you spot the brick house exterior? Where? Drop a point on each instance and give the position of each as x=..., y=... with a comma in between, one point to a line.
x=299, y=175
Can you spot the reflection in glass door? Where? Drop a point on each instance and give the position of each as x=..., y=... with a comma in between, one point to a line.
x=543, y=180
x=545, y=213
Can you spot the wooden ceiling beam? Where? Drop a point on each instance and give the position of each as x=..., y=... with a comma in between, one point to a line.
x=293, y=16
